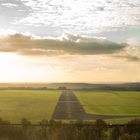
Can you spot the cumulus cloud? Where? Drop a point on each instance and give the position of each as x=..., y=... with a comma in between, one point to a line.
x=66, y=44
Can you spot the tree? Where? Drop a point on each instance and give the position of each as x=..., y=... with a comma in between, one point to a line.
x=133, y=127
x=115, y=133
x=127, y=137
x=100, y=128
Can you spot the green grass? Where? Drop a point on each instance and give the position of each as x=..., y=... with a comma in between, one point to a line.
x=110, y=102
x=120, y=120
x=34, y=105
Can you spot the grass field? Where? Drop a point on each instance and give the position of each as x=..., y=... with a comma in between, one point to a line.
x=110, y=102
x=34, y=105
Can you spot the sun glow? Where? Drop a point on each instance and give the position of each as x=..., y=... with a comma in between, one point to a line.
x=20, y=68
x=16, y=68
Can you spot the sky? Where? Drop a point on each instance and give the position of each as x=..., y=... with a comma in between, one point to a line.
x=91, y=41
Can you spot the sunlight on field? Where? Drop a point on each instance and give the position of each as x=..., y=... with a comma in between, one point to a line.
x=110, y=102
x=34, y=105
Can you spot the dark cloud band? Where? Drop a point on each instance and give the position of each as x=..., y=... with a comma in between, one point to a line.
x=70, y=44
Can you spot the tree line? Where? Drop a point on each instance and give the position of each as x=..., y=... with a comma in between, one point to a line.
x=76, y=130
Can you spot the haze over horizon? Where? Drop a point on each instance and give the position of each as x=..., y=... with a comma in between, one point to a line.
x=69, y=41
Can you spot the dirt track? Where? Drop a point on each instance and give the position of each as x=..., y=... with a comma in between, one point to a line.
x=69, y=108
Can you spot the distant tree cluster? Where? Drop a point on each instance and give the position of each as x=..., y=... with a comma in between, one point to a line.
x=79, y=130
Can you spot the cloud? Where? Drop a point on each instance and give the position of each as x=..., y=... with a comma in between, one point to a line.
x=129, y=57
x=80, y=16
x=5, y=32
x=133, y=41
x=9, y=5
x=133, y=58
x=66, y=44
x=129, y=53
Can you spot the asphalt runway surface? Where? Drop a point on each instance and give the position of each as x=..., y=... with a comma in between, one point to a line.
x=69, y=108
